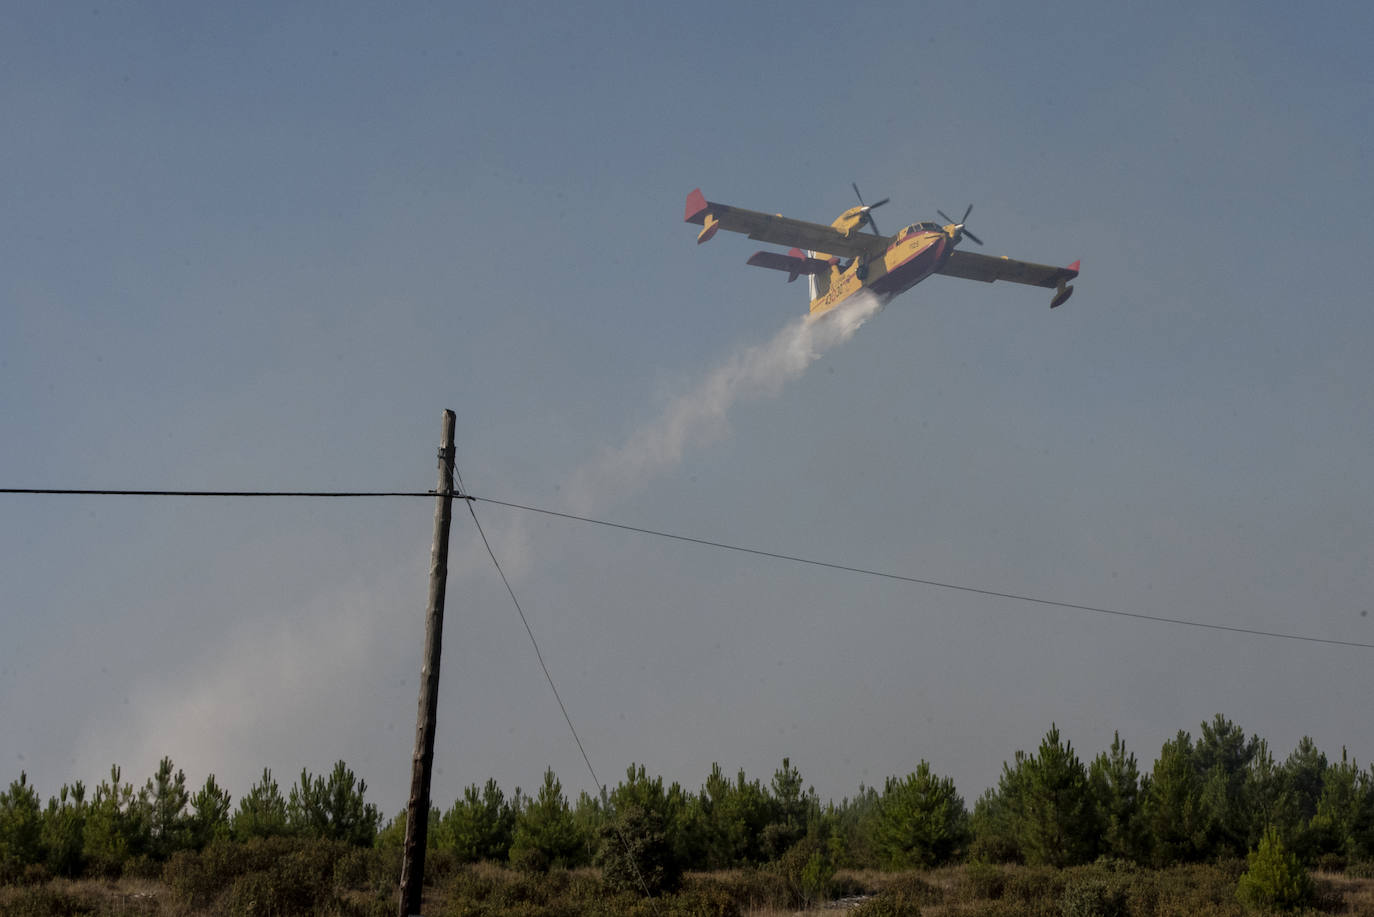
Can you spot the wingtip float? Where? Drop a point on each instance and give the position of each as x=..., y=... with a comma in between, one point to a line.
x=884, y=265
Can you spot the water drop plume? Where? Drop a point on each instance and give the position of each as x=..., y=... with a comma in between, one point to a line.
x=699, y=416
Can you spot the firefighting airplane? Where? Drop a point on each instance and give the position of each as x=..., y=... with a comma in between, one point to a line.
x=884, y=265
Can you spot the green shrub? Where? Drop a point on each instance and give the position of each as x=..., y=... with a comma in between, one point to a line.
x=1275, y=879
x=807, y=870
x=301, y=882
x=983, y=880
x=886, y=906
x=375, y=872
x=1331, y=862
x=352, y=870
x=1231, y=867
x=141, y=867
x=1142, y=895
x=904, y=897
x=35, y=874
x=1008, y=908
x=1109, y=864
x=1183, y=891
x=351, y=906
x=197, y=880
x=635, y=853
x=752, y=889
x=271, y=893
x=1032, y=885
x=41, y=901
x=702, y=899
x=487, y=890
x=1093, y=897
x=847, y=883
x=440, y=865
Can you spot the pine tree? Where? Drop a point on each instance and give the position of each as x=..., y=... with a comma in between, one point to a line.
x=997, y=815
x=1267, y=796
x=1058, y=821
x=590, y=813
x=854, y=828
x=1222, y=758
x=167, y=797
x=64, y=827
x=545, y=834
x=262, y=812
x=1344, y=820
x=1275, y=880
x=1115, y=783
x=21, y=828
x=333, y=808
x=636, y=843
x=790, y=811
x=480, y=826
x=921, y=821
x=209, y=816
x=117, y=826
x=733, y=816
x=1173, y=805
x=1305, y=774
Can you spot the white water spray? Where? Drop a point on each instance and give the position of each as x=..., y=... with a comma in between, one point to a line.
x=699, y=416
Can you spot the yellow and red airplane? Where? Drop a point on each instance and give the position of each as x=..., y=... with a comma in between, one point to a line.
x=883, y=265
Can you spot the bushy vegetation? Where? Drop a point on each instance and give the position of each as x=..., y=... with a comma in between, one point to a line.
x=1057, y=834
x=298, y=876
x=1275, y=881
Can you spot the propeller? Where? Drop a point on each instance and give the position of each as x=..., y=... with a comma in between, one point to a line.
x=869, y=208
x=959, y=224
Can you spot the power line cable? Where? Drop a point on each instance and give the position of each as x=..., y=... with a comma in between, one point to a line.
x=974, y=590
x=56, y=491
x=721, y=545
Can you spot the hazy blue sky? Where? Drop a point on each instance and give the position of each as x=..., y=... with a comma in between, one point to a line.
x=263, y=246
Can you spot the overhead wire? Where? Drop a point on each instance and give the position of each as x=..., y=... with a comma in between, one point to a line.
x=66, y=491
x=725, y=546
x=974, y=590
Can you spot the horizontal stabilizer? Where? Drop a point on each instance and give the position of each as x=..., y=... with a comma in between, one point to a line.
x=795, y=263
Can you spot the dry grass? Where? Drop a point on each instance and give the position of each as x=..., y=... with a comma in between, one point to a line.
x=112, y=897
x=1187, y=890
x=1357, y=894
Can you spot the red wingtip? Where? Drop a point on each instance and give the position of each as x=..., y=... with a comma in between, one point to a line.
x=696, y=207
x=1074, y=267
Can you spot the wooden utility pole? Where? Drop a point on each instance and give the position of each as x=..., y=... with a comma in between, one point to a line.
x=417, y=810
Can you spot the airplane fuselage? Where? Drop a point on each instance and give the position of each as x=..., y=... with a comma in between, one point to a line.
x=915, y=254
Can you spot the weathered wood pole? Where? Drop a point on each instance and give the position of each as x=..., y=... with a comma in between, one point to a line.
x=417, y=810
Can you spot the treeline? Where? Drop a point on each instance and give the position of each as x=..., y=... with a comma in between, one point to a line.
x=119, y=829
x=1209, y=798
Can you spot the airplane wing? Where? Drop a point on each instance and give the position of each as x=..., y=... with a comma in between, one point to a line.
x=795, y=263
x=973, y=266
x=779, y=230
